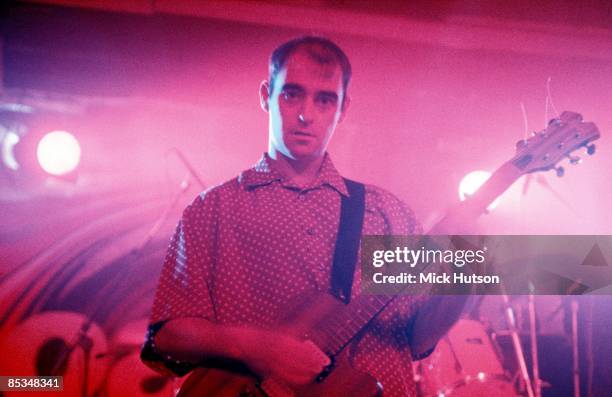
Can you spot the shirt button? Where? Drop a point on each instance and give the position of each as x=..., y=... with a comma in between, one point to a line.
x=310, y=231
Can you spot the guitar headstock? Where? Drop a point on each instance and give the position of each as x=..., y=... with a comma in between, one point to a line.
x=545, y=149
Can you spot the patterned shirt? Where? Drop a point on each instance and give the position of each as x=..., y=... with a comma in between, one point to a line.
x=245, y=248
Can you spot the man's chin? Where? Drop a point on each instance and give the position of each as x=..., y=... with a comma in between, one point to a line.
x=303, y=154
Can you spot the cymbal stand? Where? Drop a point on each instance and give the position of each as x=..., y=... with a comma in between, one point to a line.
x=537, y=382
x=518, y=348
x=575, y=357
x=86, y=343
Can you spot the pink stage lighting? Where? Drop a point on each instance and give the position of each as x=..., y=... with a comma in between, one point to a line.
x=58, y=153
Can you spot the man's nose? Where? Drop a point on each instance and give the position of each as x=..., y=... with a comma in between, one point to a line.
x=307, y=112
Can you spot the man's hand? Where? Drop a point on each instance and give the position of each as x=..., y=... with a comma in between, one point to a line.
x=283, y=358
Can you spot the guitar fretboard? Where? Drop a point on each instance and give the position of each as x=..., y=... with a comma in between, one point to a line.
x=336, y=331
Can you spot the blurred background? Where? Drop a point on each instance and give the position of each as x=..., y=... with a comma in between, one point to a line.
x=151, y=101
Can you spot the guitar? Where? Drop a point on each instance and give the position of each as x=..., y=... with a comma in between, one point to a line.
x=542, y=151
x=332, y=325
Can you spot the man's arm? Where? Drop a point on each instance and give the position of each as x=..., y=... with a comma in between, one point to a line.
x=266, y=353
x=441, y=310
x=433, y=320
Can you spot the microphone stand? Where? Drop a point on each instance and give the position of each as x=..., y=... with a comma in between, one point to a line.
x=188, y=165
x=184, y=186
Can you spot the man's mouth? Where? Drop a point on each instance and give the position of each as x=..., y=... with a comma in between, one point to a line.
x=303, y=133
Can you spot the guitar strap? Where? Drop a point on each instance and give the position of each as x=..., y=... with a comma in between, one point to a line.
x=352, y=209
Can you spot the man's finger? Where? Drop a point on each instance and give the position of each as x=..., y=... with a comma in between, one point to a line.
x=325, y=360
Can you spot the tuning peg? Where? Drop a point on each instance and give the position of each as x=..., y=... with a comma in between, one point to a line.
x=571, y=116
x=521, y=143
x=591, y=149
x=574, y=159
x=560, y=171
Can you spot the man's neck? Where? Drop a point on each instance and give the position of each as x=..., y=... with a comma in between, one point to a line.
x=301, y=171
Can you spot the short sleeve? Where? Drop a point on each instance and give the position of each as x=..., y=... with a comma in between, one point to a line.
x=399, y=219
x=183, y=289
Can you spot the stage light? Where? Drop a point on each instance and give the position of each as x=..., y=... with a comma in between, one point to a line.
x=472, y=182
x=8, y=150
x=58, y=153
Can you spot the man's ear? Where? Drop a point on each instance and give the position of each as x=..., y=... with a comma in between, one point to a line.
x=345, y=106
x=264, y=95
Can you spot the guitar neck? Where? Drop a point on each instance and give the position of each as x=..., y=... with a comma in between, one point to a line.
x=339, y=329
x=466, y=212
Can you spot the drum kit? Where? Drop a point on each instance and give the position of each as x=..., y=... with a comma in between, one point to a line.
x=55, y=343
x=468, y=360
x=68, y=344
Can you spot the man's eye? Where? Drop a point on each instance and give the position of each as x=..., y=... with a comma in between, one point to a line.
x=326, y=101
x=291, y=95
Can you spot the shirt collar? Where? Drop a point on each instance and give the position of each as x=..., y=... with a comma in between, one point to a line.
x=264, y=173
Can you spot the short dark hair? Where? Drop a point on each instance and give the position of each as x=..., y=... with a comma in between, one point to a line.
x=320, y=49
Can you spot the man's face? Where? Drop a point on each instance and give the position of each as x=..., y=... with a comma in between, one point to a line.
x=305, y=106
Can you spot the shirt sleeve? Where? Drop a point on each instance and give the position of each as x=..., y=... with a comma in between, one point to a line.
x=399, y=219
x=183, y=289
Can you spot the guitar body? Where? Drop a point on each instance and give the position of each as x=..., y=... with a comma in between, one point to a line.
x=343, y=381
x=301, y=320
x=214, y=382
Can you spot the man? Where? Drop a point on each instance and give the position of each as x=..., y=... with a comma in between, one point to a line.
x=244, y=249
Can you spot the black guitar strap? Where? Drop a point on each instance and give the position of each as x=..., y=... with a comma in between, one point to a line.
x=352, y=211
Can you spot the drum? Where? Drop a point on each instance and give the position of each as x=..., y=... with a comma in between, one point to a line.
x=465, y=363
x=54, y=342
